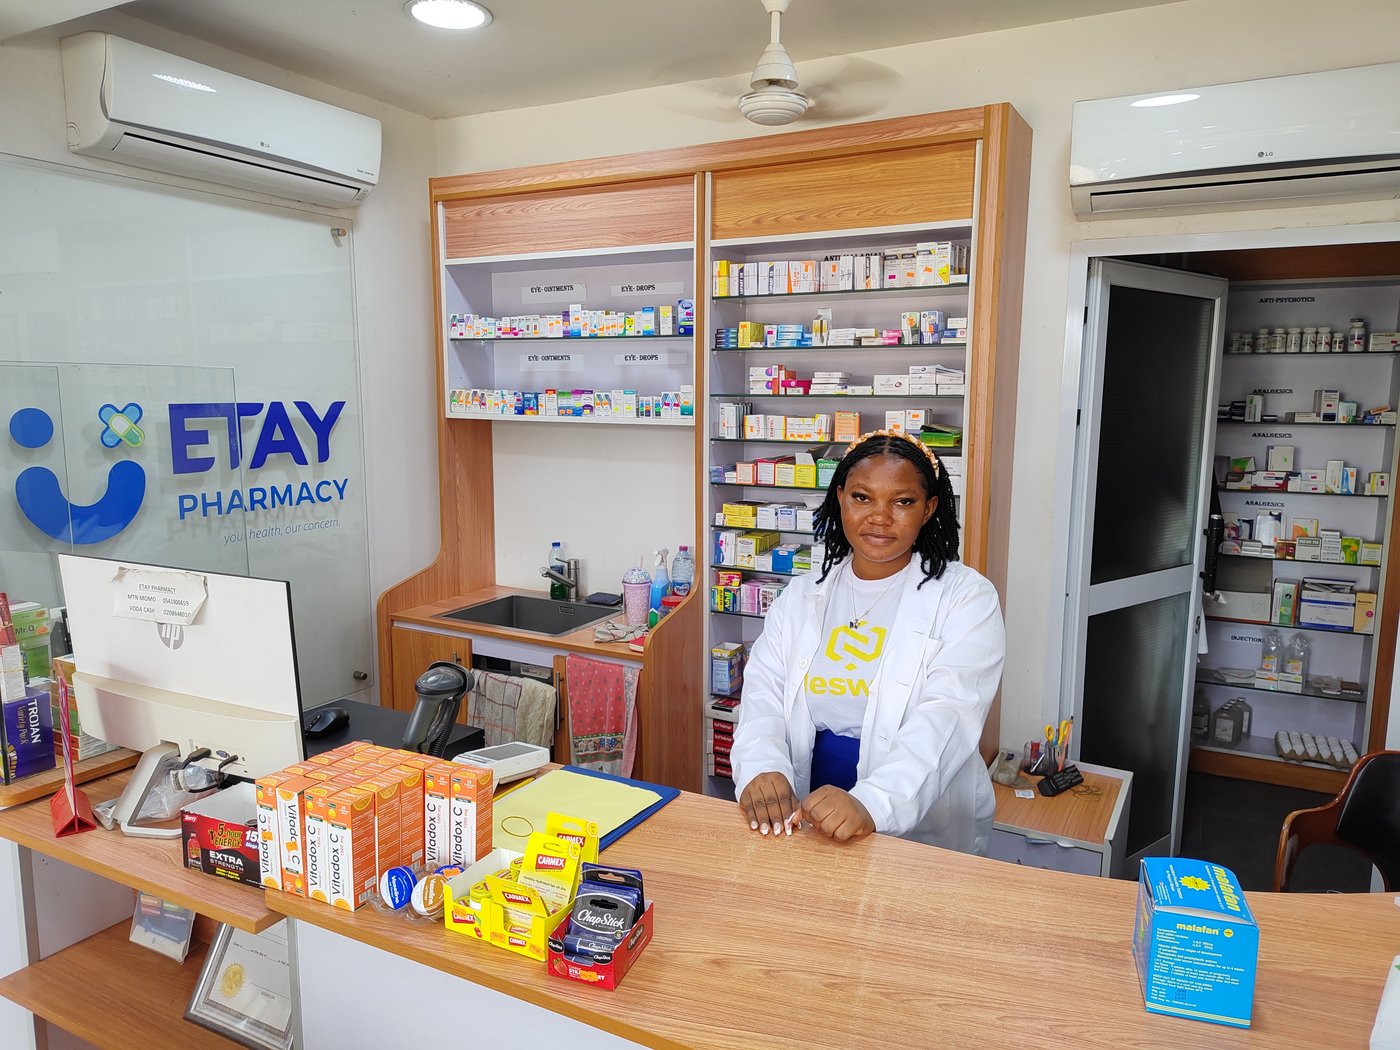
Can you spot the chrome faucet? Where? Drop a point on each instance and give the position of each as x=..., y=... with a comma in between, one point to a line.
x=569, y=578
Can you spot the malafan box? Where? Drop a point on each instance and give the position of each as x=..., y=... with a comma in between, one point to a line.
x=1196, y=943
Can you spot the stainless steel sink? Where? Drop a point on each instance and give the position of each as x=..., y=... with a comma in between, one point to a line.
x=522, y=612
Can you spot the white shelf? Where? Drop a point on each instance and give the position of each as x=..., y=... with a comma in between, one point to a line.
x=1263, y=747
x=569, y=254
x=853, y=239
x=494, y=417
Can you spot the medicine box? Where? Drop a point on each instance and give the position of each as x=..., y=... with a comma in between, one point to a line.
x=726, y=668
x=220, y=834
x=1195, y=942
x=26, y=732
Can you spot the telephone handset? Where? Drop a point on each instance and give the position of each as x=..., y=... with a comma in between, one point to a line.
x=440, y=690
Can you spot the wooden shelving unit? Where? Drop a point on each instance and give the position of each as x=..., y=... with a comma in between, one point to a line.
x=153, y=865
x=115, y=994
x=1274, y=289
x=499, y=236
x=42, y=785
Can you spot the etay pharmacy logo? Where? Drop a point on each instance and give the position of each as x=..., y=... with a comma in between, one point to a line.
x=41, y=496
x=40, y=493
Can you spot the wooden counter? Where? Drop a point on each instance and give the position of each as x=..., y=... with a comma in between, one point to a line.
x=801, y=943
x=153, y=865
x=42, y=785
x=580, y=641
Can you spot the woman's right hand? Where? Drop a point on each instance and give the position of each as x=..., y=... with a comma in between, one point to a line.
x=768, y=804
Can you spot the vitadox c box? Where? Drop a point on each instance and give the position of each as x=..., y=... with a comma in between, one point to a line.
x=1196, y=943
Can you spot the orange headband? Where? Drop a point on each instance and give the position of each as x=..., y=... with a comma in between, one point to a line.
x=937, y=466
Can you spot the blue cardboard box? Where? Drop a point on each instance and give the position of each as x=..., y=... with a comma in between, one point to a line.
x=1196, y=943
x=26, y=731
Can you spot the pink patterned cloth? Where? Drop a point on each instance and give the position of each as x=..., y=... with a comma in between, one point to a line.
x=602, y=714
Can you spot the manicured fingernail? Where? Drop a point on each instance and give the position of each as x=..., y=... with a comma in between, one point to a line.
x=763, y=830
x=789, y=830
x=753, y=825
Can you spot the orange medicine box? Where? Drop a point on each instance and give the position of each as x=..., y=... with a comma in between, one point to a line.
x=269, y=843
x=317, y=879
x=386, y=819
x=291, y=829
x=437, y=814
x=411, y=814
x=471, y=818
x=350, y=854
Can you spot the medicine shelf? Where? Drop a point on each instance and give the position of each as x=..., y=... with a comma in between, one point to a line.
x=1266, y=768
x=1346, y=355
x=1279, y=423
x=1299, y=561
x=758, y=485
x=1209, y=676
x=571, y=340
x=816, y=441
x=940, y=290
x=747, y=616
x=760, y=528
x=956, y=344
x=846, y=397
x=1312, y=495
x=1290, y=627
x=1261, y=747
x=679, y=421
x=757, y=572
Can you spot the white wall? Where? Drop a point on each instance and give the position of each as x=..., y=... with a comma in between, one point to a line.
x=393, y=287
x=1042, y=70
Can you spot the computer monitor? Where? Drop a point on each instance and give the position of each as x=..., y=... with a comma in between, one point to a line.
x=226, y=682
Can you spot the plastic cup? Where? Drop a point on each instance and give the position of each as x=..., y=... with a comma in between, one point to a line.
x=636, y=600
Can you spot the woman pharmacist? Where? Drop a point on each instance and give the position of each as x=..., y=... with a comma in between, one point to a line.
x=865, y=695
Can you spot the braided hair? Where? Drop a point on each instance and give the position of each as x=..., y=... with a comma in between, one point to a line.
x=937, y=542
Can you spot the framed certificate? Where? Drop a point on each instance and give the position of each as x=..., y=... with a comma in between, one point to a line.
x=245, y=989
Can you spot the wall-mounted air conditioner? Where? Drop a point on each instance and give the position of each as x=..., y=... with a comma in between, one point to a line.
x=140, y=106
x=1286, y=140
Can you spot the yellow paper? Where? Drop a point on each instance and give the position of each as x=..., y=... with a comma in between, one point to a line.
x=606, y=802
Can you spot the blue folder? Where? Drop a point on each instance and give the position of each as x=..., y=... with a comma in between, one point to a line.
x=666, y=793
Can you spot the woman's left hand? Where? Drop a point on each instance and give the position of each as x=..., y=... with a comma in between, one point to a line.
x=836, y=814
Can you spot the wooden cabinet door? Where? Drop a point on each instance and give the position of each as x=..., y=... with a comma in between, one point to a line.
x=413, y=651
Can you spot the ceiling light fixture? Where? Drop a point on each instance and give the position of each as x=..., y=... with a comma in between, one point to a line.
x=448, y=14
x=1163, y=100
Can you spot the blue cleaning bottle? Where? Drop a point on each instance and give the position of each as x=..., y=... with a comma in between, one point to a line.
x=660, y=582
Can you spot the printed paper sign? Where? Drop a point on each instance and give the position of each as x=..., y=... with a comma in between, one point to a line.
x=658, y=289
x=566, y=292
x=547, y=362
x=159, y=595
x=647, y=357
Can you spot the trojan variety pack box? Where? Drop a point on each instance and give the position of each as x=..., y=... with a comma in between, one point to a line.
x=26, y=735
x=1195, y=943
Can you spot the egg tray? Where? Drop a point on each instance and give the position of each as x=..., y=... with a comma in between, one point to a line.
x=1295, y=746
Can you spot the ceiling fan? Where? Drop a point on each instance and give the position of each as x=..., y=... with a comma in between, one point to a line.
x=774, y=98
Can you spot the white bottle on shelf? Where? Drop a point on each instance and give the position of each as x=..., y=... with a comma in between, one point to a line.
x=1272, y=656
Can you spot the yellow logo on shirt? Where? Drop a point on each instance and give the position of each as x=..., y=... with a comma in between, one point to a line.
x=847, y=646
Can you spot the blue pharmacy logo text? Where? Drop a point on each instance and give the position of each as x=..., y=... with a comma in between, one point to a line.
x=194, y=449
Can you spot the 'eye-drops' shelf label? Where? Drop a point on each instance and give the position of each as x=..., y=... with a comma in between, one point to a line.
x=648, y=357
x=660, y=289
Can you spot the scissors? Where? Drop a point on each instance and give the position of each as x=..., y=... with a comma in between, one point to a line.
x=1064, y=733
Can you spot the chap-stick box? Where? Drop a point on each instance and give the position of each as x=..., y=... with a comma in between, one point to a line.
x=471, y=814
x=291, y=831
x=437, y=814
x=350, y=848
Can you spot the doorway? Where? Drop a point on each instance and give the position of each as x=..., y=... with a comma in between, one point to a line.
x=1130, y=672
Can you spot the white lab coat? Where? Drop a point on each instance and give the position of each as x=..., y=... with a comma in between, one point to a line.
x=920, y=773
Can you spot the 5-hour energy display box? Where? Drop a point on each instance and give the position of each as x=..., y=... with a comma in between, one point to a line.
x=1196, y=943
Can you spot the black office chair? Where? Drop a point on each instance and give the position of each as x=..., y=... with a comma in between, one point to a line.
x=1365, y=817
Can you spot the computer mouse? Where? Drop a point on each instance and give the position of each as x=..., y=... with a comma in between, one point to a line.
x=326, y=720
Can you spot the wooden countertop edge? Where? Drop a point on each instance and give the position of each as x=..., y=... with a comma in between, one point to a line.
x=580, y=641
x=50, y=782
x=488, y=972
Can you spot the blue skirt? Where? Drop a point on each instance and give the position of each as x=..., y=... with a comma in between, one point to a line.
x=834, y=760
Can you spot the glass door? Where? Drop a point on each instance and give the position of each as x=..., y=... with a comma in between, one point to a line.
x=1142, y=470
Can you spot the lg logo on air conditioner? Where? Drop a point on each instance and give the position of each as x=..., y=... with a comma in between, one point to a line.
x=1263, y=153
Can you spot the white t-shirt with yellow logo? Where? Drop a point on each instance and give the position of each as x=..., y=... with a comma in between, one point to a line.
x=841, y=673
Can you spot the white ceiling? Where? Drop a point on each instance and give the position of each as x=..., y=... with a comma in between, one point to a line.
x=541, y=51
